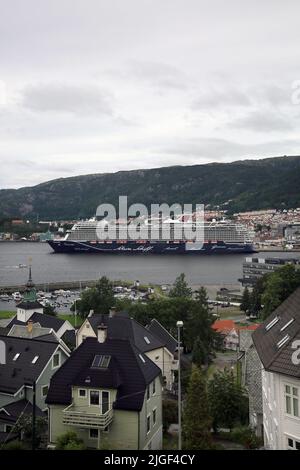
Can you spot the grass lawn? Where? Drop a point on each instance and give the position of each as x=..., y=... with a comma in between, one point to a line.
x=6, y=314
x=71, y=319
x=226, y=312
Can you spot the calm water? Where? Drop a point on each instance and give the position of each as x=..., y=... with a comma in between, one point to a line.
x=50, y=267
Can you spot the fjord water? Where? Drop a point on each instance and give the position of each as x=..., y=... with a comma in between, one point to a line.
x=51, y=267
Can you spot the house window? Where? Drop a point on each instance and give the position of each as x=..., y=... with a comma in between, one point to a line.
x=56, y=360
x=292, y=444
x=292, y=400
x=153, y=388
x=94, y=433
x=154, y=416
x=148, y=392
x=148, y=423
x=8, y=428
x=94, y=397
x=82, y=393
x=45, y=389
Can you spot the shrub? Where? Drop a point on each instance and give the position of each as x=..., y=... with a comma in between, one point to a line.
x=69, y=441
x=247, y=437
x=14, y=445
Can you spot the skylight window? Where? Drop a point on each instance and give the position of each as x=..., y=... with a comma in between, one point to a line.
x=287, y=324
x=147, y=339
x=16, y=357
x=272, y=323
x=283, y=341
x=34, y=359
x=142, y=358
x=101, y=362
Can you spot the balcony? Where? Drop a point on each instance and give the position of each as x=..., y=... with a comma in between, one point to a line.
x=85, y=419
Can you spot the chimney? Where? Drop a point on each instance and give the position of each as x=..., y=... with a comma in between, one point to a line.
x=91, y=313
x=102, y=333
x=29, y=326
x=112, y=312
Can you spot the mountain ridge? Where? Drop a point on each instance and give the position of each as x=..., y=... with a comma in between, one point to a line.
x=239, y=185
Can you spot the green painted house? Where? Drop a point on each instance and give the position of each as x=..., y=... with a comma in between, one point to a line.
x=110, y=394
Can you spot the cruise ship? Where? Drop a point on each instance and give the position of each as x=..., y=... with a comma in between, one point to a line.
x=219, y=237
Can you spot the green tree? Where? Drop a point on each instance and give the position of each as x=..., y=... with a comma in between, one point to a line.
x=255, y=301
x=279, y=285
x=227, y=400
x=199, y=353
x=170, y=412
x=196, y=418
x=49, y=310
x=201, y=296
x=245, y=303
x=198, y=333
x=99, y=298
x=24, y=427
x=69, y=441
x=180, y=288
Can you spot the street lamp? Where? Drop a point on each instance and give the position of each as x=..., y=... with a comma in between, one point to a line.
x=179, y=325
x=75, y=312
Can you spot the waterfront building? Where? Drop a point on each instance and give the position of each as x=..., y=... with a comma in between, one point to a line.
x=255, y=268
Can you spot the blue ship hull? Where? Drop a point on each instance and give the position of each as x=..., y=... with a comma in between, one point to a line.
x=135, y=247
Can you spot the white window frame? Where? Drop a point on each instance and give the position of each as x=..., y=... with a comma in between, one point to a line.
x=42, y=388
x=93, y=429
x=85, y=393
x=294, y=442
x=93, y=404
x=292, y=397
x=59, y=360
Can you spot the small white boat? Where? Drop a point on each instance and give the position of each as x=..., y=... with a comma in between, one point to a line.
x=17, y=296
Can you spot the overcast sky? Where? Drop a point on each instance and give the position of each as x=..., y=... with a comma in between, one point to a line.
x=90, y=86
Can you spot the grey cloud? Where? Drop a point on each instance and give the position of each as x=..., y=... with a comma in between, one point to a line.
x=260, y=121
x=227, y=96
x=158, y=75
x=67, y=98
x=214, y=149
x=220, y=98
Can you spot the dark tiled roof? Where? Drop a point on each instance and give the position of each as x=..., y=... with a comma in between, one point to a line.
x=46, y=321
x=275, y=358
x=124, y=327
x=127, y=372
x=69, y=338
x=160, y=332
x=14, y=374
x=10, y=413
x=26, y=305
